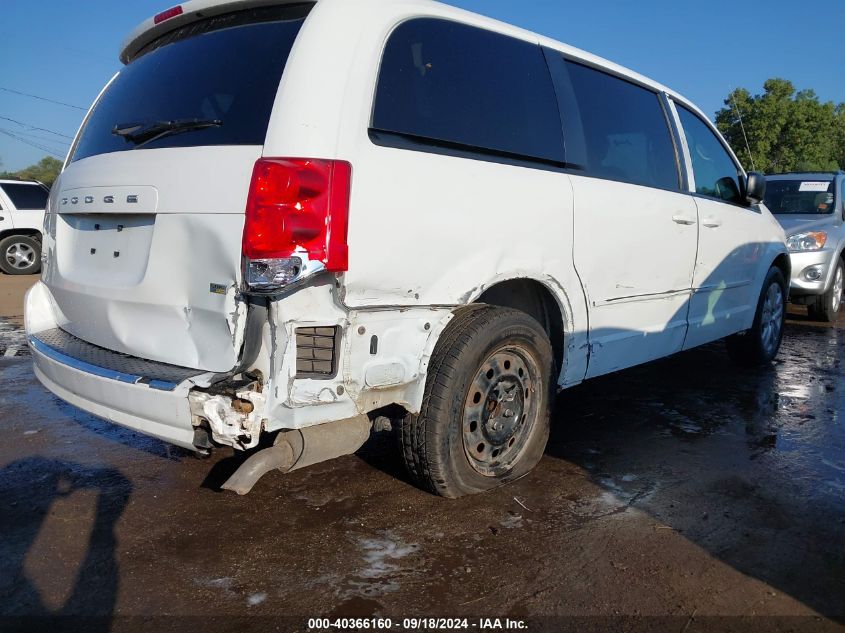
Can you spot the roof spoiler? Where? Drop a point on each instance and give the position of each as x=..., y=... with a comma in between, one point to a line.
x=181, y=14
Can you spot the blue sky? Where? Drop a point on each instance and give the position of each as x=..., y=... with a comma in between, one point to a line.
x=67, y=50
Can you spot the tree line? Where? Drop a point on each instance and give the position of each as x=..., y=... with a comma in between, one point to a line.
x=45, y=170
x=786, y=129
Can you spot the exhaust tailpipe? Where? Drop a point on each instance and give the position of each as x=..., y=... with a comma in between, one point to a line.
x=299, y=448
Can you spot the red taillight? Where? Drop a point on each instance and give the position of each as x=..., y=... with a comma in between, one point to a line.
x=298, y=204
x=166, y=15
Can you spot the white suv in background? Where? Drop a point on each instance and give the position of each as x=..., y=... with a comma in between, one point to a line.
x=22, y=205
x=286, y=223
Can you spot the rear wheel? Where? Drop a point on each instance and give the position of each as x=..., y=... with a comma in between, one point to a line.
x=20, y=255
x=761, y=343
x=484, y=420
x=827, y=305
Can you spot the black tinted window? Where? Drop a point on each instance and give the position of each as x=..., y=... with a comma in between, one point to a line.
x=25, y=196
x=810, y=195
x=451, y=82
x=716, y=174
x=626, y=135
x=226, y=68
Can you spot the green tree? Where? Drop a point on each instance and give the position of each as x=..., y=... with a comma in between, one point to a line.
x=45, y=170
x=785, y=129
x=840, y=134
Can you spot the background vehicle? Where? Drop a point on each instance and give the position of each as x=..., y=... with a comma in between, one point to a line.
x=810, y=208
x=22, y=206
x=239, y=248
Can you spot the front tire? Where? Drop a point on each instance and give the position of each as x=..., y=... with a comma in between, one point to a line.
x=484, y=419
x=827, y=305
x=760, y=344
x=20, y=255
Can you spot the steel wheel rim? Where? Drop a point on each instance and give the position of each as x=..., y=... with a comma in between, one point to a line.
x=20, y=255
x=837, y=289
x=500, y=410
x=771, y=320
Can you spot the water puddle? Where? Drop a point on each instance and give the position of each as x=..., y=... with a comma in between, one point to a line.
x=12, y=340
x=382, y=556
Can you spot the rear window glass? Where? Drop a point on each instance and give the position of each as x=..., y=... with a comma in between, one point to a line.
x=225, y=69
x=626, y=134
x=799, y=196
x=459, y=84
x=25, y=196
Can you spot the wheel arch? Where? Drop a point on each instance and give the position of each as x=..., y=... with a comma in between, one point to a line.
x=25, y=232
x=557, y=318
x=783, y=262
x=536, y=299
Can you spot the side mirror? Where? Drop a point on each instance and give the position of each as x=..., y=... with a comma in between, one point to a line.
x=755, y=188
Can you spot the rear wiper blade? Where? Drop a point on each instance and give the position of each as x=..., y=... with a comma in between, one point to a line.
x=140, y=133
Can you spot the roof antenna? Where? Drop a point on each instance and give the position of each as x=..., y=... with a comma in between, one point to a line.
x=742, y=127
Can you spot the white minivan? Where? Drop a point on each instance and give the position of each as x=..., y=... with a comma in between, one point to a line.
x=284, y=223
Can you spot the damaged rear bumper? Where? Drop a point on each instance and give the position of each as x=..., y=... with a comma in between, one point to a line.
x=151, y=398
x=381, y=357
x=116, y=398
x=165, y=401
x=170, y=409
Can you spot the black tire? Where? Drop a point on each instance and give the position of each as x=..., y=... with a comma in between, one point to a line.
x=826, y=307
x=760, y=345
x=20, y=255
x=506, y=354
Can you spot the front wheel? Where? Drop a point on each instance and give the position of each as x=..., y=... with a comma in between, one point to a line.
x=760, y=344
x=827, y=305
x=484, y=419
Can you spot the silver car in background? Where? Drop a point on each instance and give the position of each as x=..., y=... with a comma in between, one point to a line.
x=811, y=209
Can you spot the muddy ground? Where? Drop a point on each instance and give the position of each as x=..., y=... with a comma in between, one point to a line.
x=12, y=289
x=684, y=495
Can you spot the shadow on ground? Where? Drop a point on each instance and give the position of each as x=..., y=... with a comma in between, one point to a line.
x=64, y=510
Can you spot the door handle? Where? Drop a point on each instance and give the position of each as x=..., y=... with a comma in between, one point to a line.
x=712, y=223
x=683, y=219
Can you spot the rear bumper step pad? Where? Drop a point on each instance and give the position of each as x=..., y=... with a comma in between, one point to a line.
x=99, y=361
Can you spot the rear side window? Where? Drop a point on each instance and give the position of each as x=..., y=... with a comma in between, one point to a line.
x=26, y=197
x=452, y=83
x=225, y=69
x=626, y=134
x=716, y=174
